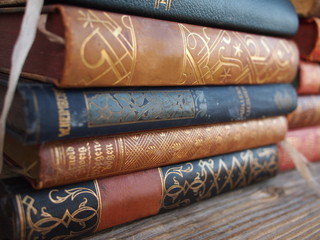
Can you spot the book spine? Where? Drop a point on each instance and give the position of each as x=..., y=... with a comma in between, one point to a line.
x=306, y=141
x=63, y=114
x=264, y=15
x=70, y=161
x=110, y=49
x=308, y=39
x=309, y=81
x=82, y=209
x=306, y=114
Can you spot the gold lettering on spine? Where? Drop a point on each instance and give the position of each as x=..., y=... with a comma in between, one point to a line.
x=245, y=103
x=64, y=113
x=166, y=3
x=104, y=158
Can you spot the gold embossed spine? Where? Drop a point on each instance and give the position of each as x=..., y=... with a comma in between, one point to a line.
x=118, y=154
x=110, y=49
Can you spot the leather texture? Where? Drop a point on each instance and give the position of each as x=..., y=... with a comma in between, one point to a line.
x=106, y=111
x=129, y=197
x=306, y=141
x=308, y=79
x=74, y=211
x=270, y=17
x=69, y=161
x=307, y=113
x=111, y=49
x=136, y=51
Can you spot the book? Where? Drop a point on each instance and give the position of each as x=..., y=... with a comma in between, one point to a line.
x=72, y=113
x=96, y=48
x=74, y=211
x=308, y=81
x=269, y=17
x=307, y=39
x=307, y=112
x=306, y=141
x=307, y=8
x=68, y=161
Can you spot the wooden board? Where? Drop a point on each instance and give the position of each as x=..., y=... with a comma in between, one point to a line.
x=284, y=207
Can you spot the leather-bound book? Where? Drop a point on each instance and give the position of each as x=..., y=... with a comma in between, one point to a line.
x=307, y=112
x=68, y=161
x=92, y=48
x=308, y=80
x=270, y=17
x=308, y=39
x=77, y=210
x=65, y=113
x=306, y=141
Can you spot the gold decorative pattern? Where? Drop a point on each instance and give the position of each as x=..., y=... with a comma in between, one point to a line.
x=198, y=180
x=124, y=107
x=238, y=57
x=111, y=49
x=115, y=54
x=60, y=213
x=105, y=156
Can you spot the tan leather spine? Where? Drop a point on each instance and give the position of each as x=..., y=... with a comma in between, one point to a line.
x=129, y=197
x=88, y=158
x=309, y=81
x=110, y=49
x=307, y=113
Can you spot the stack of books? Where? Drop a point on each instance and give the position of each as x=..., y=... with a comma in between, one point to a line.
x=304, y=122
x=128, y=109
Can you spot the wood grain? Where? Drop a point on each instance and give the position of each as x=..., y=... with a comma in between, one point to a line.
x=284, y=207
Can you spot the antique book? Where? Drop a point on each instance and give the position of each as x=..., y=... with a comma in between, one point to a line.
x=307, y=112
x=71, y=113
x=308, y=39
x=269, y=17
x=79, y=47
x=68, y=161
x=73, y=211
x=308, y=80
x=306, y=141
x=307, y=8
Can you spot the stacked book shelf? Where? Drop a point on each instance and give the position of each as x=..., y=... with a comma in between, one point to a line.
x=125, y=110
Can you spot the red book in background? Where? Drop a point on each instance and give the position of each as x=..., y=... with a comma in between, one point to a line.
x=308, y=39
x=309, y=78
x=306, y=141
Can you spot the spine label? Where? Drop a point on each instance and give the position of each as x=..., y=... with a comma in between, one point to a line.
x=63, y=112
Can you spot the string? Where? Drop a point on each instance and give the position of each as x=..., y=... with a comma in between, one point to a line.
x=301, y=164
x=20, y=51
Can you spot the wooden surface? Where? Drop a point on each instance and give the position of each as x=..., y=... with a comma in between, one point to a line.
x=284, y=207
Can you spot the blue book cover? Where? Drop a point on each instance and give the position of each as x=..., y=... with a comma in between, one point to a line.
x=269, y=17
x=42, y=112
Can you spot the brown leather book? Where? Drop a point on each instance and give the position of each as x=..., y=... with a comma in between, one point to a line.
x=308, y=39
x=69, y=161
x=306, y=141
x=96, y=48
x=73, y=211
x=309, y=78
x=307, y=112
